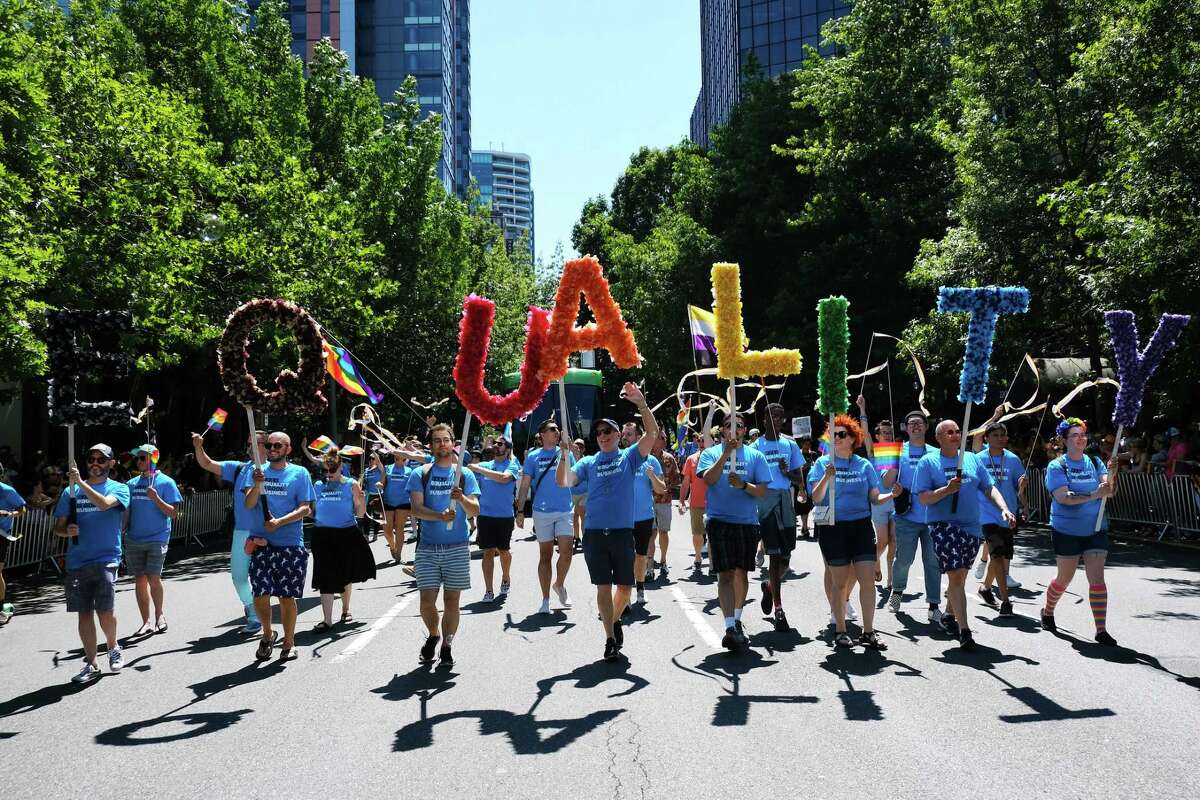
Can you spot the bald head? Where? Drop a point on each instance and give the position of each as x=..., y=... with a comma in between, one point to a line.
x=947, y=435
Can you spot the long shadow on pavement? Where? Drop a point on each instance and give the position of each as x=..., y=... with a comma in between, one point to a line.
x=727, y=670
x=859, y=705
x=1123, y=655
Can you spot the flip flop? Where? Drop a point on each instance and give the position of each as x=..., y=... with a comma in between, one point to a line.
x=322, y=626
x=347, y=617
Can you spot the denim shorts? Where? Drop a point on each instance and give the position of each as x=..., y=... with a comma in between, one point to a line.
x=1068, y=546
x=91, y=588
x=145, y=558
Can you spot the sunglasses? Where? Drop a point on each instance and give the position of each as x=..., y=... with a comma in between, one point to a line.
x=275, y=445
x=841, y=434
x=94, y=460
x=605, y=431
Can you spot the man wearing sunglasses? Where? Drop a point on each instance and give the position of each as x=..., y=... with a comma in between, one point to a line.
x=90, y=514
x=154, y=502
x=777, y=510
x=608, y=526
x=731, y=520
x=553, y=510
x=279, y=564
x=498, y=479
x=912, y=524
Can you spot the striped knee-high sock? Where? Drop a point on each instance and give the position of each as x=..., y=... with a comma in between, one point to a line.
x=1098, y=597
x=1052, y=596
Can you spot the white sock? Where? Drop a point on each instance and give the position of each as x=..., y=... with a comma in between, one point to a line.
x=737, y=615
x=449, y=639
x=729, y=621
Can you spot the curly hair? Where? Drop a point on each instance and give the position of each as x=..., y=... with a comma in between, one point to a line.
x=1065, y=426
x=850, y=424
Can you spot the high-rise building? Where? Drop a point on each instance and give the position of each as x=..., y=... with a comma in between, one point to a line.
x=505, y=185
x=773, y=32
x=388, y=40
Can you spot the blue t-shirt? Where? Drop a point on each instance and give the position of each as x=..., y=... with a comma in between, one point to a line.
x=147, y=522
x=284, y=490
x=854, y=480
x=547, y=494
x=372, y=480
x=495, y=498
x=782, y=450
x=436, y=497
x=99, y=540
x=396, y=491
x=335, y=504
x=9, y=501
x=1078, y=476
x=643, y=492
x=1006, y=470
x=936, y=470
x=610, y=479
x=241, y=515
x=725, y=503
x=910, y=456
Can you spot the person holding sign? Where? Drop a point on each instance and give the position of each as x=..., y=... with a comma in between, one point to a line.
x=154, y=502
x=94, y=553
x=1078, y=483
x=731, y=521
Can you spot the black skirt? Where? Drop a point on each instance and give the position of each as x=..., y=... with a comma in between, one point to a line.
x=340, y=556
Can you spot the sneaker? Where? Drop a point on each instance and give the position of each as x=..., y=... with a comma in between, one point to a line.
x=766, y=603
x=697, y=565
x=966, y=641
x=730, y=640
x=950, y=625
x=252, y=626
x=161, y=625
x=894, y=602
x=87, y=674
x=1048, y=622
x=760, y=559
x=935, y=616
x=1013, y=583
x=488, y=597
x=544, y=608
x=985, y=594
x=851, y=612
x=115, y=660
x=1006, y=609
x=619, y=634
x=1105, y=638
x=427, y=649
x=781, y=623
x=663, y=571
x=445, y=656
x=505, y=587
x=743, y=639
x=563, y=597
x=980, y=570
x=409, y=571
x=641, y=597
x=610, y=650
x=6, y=613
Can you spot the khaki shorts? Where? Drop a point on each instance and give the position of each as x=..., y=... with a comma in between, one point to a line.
x=697, y=515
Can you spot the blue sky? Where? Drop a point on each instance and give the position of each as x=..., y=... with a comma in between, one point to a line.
x=579, y=86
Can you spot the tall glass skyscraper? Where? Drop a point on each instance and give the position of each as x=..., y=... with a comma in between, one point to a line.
x=505, y=185
x=774, y=32
x=388, y=40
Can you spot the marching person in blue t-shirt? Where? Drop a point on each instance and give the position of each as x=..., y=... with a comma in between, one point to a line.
x=1008, y=473
x=1077, y=483
x=553, y=511
x=498, y=479
x=608, y=525
x=341, y=556
x=89, y=513
x=911, y=526
x=12, y=505
x=154, y=502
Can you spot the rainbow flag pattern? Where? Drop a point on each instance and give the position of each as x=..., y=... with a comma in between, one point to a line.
x=321, y=444
x=217, y=420
x=887, y=456
x=341, y=368
x=823, y=444
x=685, y=413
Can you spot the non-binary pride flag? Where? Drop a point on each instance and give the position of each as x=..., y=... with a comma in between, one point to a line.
x=217, y=420
x=341, y=367
x=703, y=326
x=887, y=456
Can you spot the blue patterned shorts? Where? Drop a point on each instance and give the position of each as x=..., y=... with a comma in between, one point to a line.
x=278, y=571
x=955, y=548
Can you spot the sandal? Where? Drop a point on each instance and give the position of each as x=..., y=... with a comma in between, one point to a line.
x=265, y=646
x=843, y=640
x=871, y=639
x=288, y=654
x=321, y=626
x=347, y=617
x=145, y=630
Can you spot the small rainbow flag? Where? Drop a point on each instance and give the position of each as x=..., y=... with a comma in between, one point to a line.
x=341, y=368
x=887, y=456
x=350, y=451
x=321, y=444
x=823, y=444
x=217, y=420
x=685, y=413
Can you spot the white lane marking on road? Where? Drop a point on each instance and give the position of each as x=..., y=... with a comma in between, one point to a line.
x=696, y=618
x=364, y=638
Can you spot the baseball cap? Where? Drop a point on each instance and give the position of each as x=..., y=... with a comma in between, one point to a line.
x=103, y=449
x=142, y=449
x=1172, y=431
x=612, y=423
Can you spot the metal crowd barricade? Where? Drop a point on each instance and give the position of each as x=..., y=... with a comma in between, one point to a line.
x=200, y=514
x=1171, y=506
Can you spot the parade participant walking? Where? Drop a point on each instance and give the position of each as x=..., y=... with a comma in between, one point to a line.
x=649, y=478
x=777, y=509
x=1008, y=473
x=692, y=496
x=552, y=512
x=883, y=515
x=90, y=514
x=982, y=572
x=608, y=546
x=662, y=502
x=498, y=479
x=956, y=530
x=731, y=520
x=12, y=505
x=154, y=501
x=243, y=519
x=396, y=505
x=911, y=527
x=578, y=496
x=279, y=562
x=1077, y=483
x=442, y=497
x=341, y=556
x=848, y=546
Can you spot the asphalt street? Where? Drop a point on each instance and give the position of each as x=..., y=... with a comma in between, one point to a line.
x=530, y=710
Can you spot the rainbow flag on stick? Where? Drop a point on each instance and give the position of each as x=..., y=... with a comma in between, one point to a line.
x=887, y=456
x=823, y=444
x=341, y=368
x=216, y=421
x=321, y=444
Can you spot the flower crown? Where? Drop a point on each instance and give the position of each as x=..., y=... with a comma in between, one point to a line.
x=1068, y=423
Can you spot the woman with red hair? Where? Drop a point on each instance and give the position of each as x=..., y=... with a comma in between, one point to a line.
x=848, y=545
